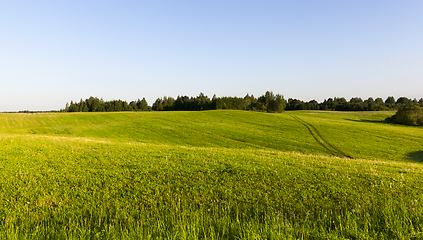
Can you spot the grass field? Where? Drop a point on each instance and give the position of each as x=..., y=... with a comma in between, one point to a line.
x=210, y=175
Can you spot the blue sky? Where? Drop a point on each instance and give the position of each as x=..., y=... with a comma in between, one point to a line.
x=52, y=52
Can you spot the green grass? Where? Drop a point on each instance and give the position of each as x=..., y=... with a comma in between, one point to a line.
x=209, y=175
x=356, y=134
x=227, y=129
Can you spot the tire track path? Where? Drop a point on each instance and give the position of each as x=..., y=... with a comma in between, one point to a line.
x=319, y=139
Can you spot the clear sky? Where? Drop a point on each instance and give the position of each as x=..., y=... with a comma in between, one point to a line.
x=52, y=52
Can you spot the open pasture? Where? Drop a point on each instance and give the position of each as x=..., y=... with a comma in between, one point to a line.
x=211, y=174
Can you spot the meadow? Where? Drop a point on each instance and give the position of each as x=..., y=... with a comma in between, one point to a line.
x=210, y=175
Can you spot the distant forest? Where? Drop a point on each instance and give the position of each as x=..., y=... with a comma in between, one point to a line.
x=354, y=104
x=94, y=104
x=269, y=102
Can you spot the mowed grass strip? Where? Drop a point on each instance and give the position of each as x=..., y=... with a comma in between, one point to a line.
x=78, y=188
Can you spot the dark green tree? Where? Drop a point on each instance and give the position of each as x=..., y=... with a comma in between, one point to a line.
x=142, y=105
x=408, y=116
x=379, y=101
x=158, y=105
x=356, y=100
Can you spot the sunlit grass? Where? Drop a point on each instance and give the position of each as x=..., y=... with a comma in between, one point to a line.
x=105, y=178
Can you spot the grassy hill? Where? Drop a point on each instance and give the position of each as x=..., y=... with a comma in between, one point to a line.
x=211, y=174
x=357, y=135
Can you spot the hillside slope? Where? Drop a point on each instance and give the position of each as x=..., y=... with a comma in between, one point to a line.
x=355, y=135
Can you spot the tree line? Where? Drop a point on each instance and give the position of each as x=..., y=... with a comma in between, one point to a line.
x=354, y=104
x=268, y=102
x=94, y=104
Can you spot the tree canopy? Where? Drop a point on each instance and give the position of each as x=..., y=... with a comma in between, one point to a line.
x=412, y=116
x=268, y=102
x=94, y=104
x=354, y=104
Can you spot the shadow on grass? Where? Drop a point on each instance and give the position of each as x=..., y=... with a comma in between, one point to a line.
x=416, y=156
x=367, y=121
